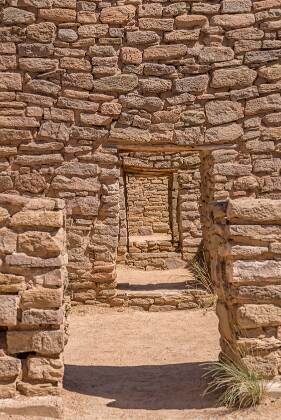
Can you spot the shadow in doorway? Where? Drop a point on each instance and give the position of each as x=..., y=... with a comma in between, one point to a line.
x=169, y=387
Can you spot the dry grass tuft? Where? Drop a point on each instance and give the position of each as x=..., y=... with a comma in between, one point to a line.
x=239, y=385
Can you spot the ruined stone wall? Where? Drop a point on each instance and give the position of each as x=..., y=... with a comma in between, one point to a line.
x=33, y=277
x=148, y=205
x=77, y=75
x=246, y=265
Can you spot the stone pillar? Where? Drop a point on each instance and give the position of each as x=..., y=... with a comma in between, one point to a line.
x=32, y=281
x=246, y=265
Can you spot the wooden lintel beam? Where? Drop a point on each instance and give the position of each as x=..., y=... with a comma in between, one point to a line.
x=172, y=148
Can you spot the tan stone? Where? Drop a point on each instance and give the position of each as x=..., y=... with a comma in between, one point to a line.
x=238, y=77
x=41, y=298
x=40, y=368
x=118, y=15
x=164, y=52
x=221, y=112
x=253, y=316
x=41, y=244
x=190, y=21
x=10, y=368
x=8, y=310
x=254, y=211
x=42, y=342
x=10, y=283
x=129, y=55
x=37, y=219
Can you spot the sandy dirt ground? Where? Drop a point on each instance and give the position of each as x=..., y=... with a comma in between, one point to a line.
x=133, y=365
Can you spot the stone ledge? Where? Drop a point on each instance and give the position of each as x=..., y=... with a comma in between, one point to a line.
x=43, y=407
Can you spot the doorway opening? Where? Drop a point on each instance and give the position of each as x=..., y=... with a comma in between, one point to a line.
x=160, y=229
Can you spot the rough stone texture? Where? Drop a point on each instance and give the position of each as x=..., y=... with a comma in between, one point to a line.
x=81, y=82
x=248, y=282
x=31, y=307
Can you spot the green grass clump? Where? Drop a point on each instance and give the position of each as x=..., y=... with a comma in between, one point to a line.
x=238, y=384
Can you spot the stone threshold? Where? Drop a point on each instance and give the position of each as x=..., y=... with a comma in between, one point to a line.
x=164, y=300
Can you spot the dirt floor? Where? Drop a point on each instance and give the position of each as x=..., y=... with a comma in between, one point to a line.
x=175, y=279
x=133, y=365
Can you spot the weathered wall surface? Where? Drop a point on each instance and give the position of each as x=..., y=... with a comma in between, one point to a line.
x=148, y=205
x=78, y=74
x=33, y=277
x=246, y=264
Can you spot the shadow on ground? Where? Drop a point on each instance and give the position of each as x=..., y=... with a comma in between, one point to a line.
x=172, y=387
x=152, y=286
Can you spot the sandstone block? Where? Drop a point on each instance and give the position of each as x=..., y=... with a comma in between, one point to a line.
x=38, y=65
x=129, y=135
x=42, y=342
x=260, y=211
x=164, y=52
x=194, y=84
x=42, y=317
x=224, y=134
x=83, y=206
x=37, y=219
x=10, y=368
x=214, y=54
x=12, y=15
x=78, y=169
x=190, y=21
x=182, y=35
x=95, y=30
x=41, y=298
x=155, y=24
x=249, y=271
x=150, y=10
x=118, y=15
x=63, y=183
x=142, y=38
x=253, y=316
x=234, y=78
x=233, y=21
x=10, y=81
x=221, y=112
x=8, y=310
x=41, y=244
x=22, y=260
x=56, y=15
x=8, y=241
x=130, y=55
x=148, y=103
x=117, y=84
x=155, y=86
x=32, y=182
x=54, y=278
x=10, y=283
x=40, y=368
x=270, y=73
x=263, y=104
x=42, y=32
x=236, y=6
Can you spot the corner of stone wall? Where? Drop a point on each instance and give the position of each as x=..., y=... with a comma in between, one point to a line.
x=32, y=280
x=246, y=265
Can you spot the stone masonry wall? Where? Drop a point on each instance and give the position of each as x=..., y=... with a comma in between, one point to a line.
x=77, y=76
x=33, y=277
x=148, y=205
x=246, y=265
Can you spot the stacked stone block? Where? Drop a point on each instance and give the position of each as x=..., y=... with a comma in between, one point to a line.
x=148, y=205
x=76, y=76
x=33, y=277
x=246, y=265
